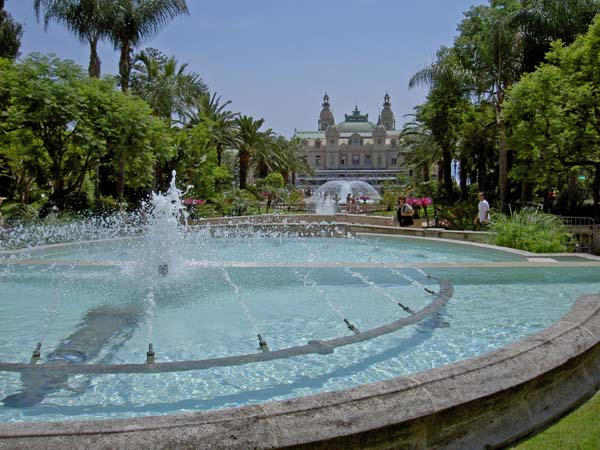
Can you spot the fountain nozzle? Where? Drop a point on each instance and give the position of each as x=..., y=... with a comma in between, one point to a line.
x=35, y=356
x=150, y=354
x=262, y=343
x=163, y=269
x=352, y=327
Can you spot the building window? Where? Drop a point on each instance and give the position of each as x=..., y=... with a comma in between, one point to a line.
x=355, y=160
x=380, y=141
x=394, y=161
x=318, y=144
x=378, y=160
x=317, y=160
x=367, y=160
x=331, y=160
x=332, y=141
x=394, y=143
x=343, y=159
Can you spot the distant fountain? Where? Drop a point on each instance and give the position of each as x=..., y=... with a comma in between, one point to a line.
x=340, y=190
x=325, y=205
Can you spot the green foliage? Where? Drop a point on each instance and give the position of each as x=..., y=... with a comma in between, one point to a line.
x=274, y=180
x=390, y=196
x=458, y=216
x=19, y=211
x=10, y=35
x=168, y=88
x=531, y=231
x=554, y=115
x=232, y=203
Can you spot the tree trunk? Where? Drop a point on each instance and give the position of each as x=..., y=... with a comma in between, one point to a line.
x=464, y=194
x=596, y=187
x=94, y=67
x=244, y=161
x=447, y=169
x=572, y=192
x=121, y=180
x=502, y=157
x=425, y=170
x=125, y=67
x=219, y=155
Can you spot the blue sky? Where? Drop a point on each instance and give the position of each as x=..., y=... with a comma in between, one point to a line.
x=276, y=58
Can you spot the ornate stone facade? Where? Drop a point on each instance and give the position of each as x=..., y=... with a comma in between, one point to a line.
x=353, y=149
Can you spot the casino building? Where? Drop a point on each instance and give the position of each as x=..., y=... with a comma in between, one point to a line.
x=354, y=149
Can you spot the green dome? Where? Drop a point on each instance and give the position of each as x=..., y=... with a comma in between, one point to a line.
x=356, y=123
x=356, y=127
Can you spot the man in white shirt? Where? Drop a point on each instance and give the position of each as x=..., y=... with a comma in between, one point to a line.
x=483, y=214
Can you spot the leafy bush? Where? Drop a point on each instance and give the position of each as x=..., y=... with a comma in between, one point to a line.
x=531, y=231
x=458, y=216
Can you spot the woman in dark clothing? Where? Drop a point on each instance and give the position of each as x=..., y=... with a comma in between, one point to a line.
x=404, y=212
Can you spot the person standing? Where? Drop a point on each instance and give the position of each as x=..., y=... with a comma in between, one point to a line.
x=404, y=212
x=483, y=213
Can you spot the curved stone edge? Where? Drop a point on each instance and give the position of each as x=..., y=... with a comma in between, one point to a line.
x=483, y=402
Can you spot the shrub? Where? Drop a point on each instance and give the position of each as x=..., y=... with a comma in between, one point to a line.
x=531, y=231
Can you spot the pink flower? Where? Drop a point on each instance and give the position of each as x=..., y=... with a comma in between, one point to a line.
x=426, y=201
x=193, y=201
x=413, y=201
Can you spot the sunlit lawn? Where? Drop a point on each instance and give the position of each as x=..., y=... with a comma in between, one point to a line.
x=580, y=430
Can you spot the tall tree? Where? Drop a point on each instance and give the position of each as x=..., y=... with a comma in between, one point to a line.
x=166, y=85
x=555, y=113
x=66, y=122
x=542, y=22
x=489, y=46
x=133, y=21
x=87, y=19
x=449, y=84
x=221, y=122
x=422, y=149
x=250, y=138
x=10, y=34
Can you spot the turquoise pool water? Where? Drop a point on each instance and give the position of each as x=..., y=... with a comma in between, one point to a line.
x=209, y=307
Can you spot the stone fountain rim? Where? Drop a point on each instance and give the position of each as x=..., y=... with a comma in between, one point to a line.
x=567, y=346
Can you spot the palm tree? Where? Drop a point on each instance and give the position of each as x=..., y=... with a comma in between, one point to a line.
x=220, y=122
x=268, y=157
x=10, y=34
x=133, y=21
x=293, y=162
x=165, y=85
x=87, y=19
x=422, y=149
x=250, y=139
x=448, y=87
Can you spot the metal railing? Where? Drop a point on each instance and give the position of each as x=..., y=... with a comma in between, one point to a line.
x=583, y=230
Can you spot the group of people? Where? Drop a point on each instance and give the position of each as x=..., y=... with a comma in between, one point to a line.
x=351, y=203
x=405, y=212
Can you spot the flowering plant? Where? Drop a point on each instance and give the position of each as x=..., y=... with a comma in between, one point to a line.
x=418, y=203
x=193, y=201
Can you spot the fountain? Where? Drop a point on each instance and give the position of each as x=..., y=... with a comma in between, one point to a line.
x=140, y=315
x=340, y=190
